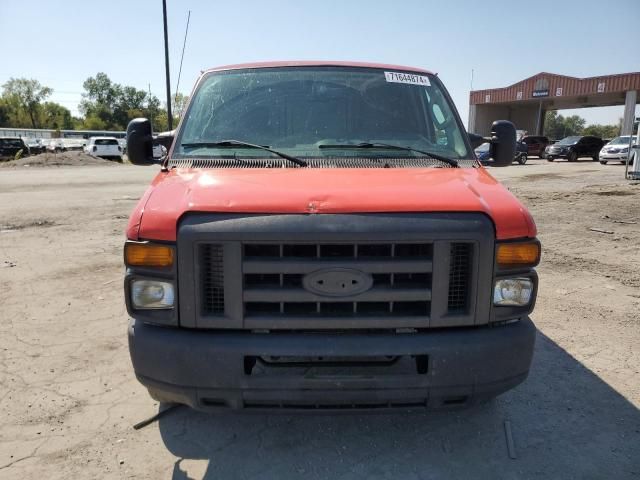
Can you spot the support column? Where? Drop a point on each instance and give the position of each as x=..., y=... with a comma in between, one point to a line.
x=543, y=115
x=629, y=112
x=540, y=119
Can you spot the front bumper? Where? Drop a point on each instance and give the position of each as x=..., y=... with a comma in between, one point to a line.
x=207, y=370
x=557, y=154
x=613, y=156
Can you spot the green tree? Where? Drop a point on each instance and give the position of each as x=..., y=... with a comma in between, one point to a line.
x=112, y=105
x=179, y=104
x=98, y=100
x=557, y=126
x=4, y=113
x=602, y=131
x=55, y=116
x=93, y=122
x=26, y=95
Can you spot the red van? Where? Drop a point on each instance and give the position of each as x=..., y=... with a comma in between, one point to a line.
x=321, y=237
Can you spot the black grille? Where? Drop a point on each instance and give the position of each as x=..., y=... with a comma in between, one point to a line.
x=459, y=277
x=211, y=258
x=274, y=273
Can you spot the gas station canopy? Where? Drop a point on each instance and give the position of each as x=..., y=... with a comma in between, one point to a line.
x=525, y=102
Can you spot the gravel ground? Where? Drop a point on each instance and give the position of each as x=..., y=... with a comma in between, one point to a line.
x=69, y=397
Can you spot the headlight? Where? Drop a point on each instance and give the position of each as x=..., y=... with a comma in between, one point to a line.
x=625, y=150
x=152, y=294
x=512, y=292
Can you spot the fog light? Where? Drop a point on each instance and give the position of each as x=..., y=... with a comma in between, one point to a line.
x=151, y=294
x=512, y=292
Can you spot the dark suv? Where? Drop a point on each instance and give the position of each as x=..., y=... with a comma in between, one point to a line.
x=575, y=147
x=10, y=146
x=536, y=145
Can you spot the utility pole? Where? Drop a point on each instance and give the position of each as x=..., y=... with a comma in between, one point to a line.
x=149, y=104
x=166, y=64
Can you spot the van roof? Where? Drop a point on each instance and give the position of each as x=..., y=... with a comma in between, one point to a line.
x=316, y=63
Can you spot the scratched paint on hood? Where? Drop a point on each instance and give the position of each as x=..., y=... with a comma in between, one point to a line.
x=317, y=191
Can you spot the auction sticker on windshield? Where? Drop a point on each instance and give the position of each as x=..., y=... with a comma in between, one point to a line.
x=399, y=77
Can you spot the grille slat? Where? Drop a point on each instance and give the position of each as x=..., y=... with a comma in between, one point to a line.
x=212, y=278
x=380, y=294
x=277, y=266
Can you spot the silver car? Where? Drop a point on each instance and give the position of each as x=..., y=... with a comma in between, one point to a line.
x=617, y=150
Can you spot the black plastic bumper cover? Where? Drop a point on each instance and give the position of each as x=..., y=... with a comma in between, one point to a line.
x=205, y=369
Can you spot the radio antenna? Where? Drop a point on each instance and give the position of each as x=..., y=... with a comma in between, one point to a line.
x=184, y=44
x=166, y=64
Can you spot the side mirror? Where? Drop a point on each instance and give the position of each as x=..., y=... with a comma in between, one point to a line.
x=140, y=142
x=476, y=140
x=503, y=143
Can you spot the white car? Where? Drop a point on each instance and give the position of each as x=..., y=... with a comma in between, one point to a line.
x=73, y=144
x=159, y=151
x=55, y=145
x=616, y=150
x=104, y=147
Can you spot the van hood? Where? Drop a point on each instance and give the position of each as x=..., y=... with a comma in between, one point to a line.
x=318, y=191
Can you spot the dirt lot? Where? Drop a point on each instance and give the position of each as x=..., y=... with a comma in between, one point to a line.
x=61, y=159
x=69, y=397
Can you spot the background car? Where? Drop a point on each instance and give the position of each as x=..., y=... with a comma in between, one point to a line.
x=536, y=145
x=55, y=145
x=574, y=147
x=616, y=150
x=73, y=144
x=521, y=152
x=35, y=145
x=482, y=152
x=104, y=147
x=10, y=146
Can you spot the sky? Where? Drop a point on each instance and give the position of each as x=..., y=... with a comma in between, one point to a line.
x=61, y=43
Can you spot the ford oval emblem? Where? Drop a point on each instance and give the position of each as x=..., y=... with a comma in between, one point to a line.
x=337, y=282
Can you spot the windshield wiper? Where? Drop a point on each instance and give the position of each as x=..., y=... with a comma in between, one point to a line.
x=239, y=143
x=435, y=156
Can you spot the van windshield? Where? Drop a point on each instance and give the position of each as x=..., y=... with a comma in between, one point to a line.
x=321, y=112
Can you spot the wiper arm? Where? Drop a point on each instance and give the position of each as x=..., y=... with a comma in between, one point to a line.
x=240, y=143
x=435, y=156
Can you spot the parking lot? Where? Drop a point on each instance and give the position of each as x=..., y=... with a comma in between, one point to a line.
x=69, y=397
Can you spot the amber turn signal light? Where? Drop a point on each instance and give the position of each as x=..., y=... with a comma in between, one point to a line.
x=147, y=255
x=525, y=254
